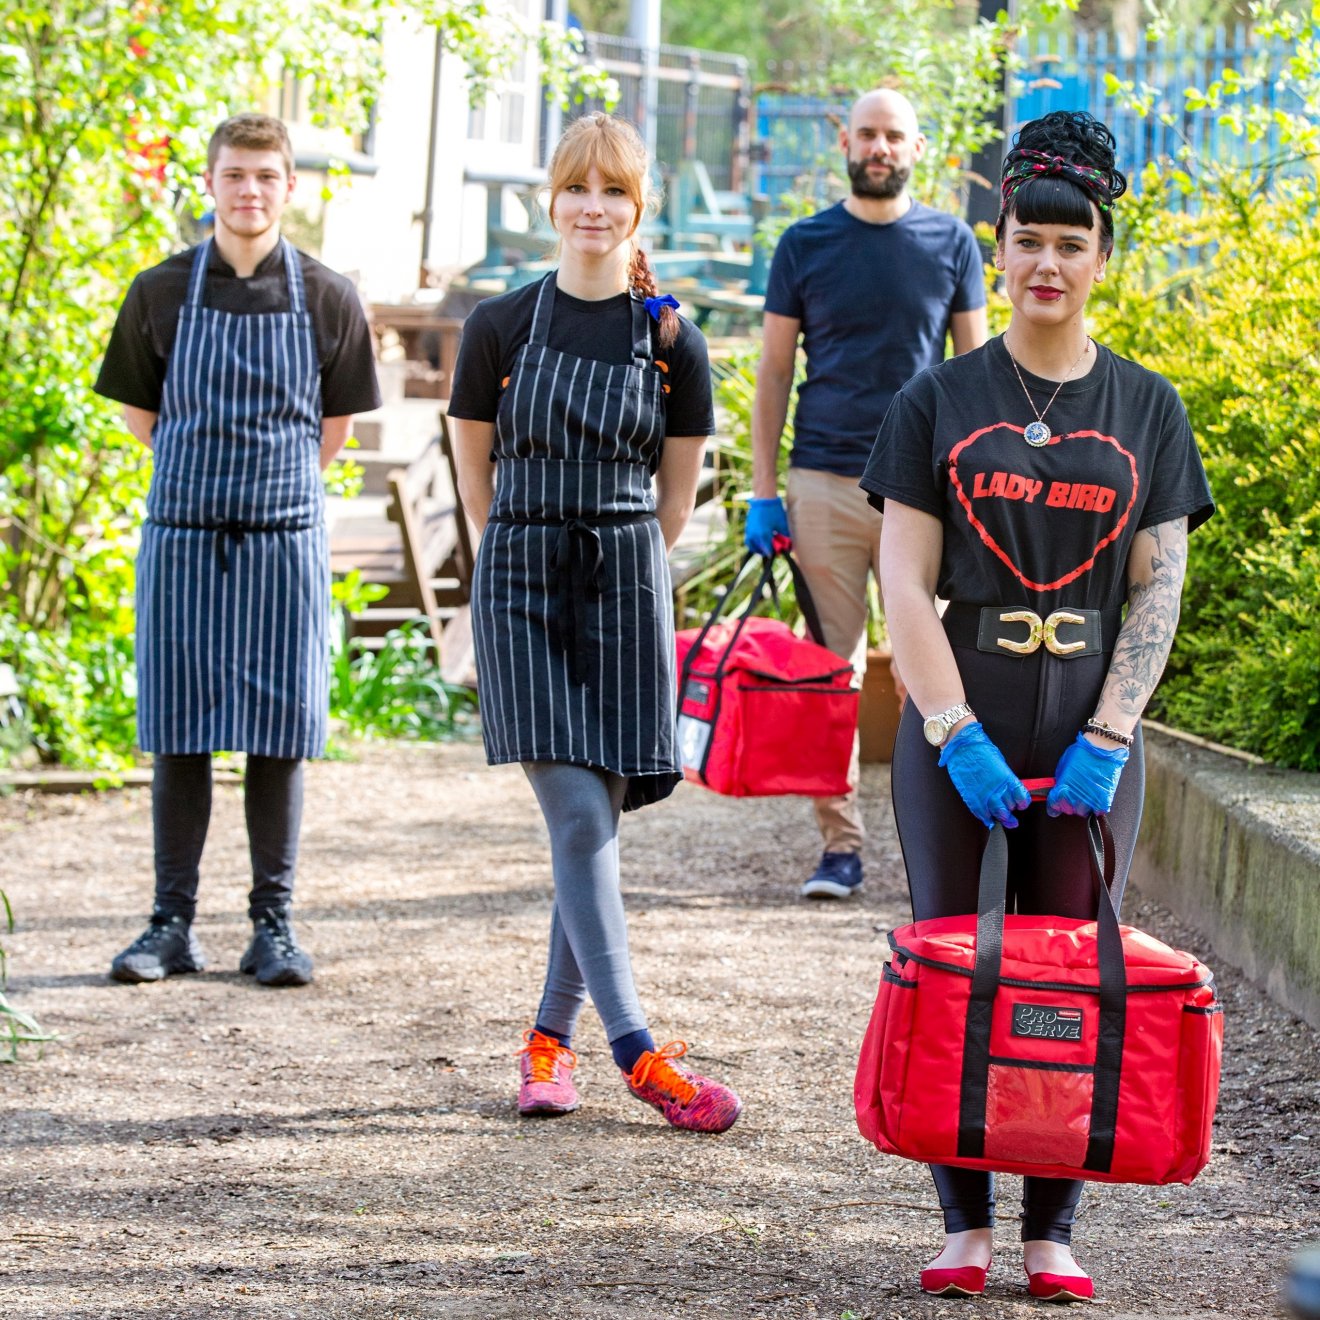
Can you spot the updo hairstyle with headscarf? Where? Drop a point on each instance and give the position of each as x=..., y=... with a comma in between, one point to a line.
x=1059, y=164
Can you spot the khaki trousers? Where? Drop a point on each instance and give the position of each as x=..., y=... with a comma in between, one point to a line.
x=836, y=541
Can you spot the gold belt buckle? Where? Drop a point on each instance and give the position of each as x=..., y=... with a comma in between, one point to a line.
x=1033, y=622
x=1050, y=630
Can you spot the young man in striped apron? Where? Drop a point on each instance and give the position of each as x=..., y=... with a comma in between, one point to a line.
x=239, y=363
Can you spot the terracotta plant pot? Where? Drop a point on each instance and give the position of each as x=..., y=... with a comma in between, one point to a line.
x=877, y=716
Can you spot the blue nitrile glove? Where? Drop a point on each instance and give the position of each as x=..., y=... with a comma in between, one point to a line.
x=1086, y=779
x=765, y=518
x=983, y=778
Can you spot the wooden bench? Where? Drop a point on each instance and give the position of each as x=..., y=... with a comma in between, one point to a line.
x=429, y=342
x=422, y=553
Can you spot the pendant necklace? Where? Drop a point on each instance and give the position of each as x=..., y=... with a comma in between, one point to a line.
x=1037, y=433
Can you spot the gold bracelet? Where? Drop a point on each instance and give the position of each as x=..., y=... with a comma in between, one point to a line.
x=1104, y=730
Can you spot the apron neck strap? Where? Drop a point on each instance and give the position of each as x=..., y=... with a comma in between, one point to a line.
x=641, y=331
x=293, y=273
x=641, y=322
x=545, y=303
x=197, y=280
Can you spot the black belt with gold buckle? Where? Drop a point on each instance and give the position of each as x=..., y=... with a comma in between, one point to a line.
x=1015, y=630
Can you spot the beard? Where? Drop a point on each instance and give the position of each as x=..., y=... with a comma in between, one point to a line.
x=888, y=185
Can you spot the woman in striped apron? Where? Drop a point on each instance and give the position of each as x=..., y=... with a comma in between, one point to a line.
x=233, y=569
x=571, y=594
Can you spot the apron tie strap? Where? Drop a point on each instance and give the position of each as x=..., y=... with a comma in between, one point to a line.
x=579, y=563
x=224, y=533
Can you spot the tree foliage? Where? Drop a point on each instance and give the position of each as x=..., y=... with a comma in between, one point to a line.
x=104, y=115
x=953, y=66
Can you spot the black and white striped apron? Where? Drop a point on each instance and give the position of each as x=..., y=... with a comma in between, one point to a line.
x=571, y=604
x=233, y=574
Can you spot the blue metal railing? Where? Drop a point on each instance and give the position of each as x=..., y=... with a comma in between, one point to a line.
x=1074, y=76
x=796, y=136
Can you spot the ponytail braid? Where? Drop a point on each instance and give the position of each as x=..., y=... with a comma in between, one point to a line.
x=641, y=279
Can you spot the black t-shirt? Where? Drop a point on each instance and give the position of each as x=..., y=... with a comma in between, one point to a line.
x=1042, y=527
x=136, y=358
x=875, y=302
x=601, y=331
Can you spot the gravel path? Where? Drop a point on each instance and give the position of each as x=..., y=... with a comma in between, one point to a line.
x=206, y=1148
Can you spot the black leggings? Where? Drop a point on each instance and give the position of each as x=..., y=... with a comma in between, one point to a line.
x=1032, y=707
x=181, y=813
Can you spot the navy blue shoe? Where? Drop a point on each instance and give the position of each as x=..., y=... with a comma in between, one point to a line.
x=839, y=875
x=275, y=957
x=166, y=948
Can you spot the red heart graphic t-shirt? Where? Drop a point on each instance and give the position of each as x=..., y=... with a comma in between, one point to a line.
x=1049, y=526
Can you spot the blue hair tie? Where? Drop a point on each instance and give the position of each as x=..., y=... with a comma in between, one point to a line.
x=656, y=305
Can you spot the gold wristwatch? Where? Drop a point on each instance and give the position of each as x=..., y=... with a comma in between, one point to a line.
x=937, y=727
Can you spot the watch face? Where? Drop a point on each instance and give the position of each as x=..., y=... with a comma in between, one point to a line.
x=935, y=731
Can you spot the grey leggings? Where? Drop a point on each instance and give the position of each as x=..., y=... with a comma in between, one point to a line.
x=588, y=931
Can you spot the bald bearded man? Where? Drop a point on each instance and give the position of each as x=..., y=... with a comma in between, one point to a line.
x=874, y=287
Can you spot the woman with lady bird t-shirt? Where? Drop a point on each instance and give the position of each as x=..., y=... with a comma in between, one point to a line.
x=1038, y=484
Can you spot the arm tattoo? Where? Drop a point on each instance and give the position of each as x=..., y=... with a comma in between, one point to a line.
x=1146, y=637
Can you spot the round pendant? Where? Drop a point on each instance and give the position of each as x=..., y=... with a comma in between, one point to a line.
x=1036, y=434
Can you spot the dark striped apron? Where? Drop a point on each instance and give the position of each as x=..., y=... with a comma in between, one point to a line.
x=233, y=573
x=571, y=603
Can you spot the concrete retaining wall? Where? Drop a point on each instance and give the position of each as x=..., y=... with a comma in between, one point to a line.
x=1234, y=849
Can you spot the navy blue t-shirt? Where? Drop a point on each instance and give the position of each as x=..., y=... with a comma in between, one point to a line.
x=875, y=302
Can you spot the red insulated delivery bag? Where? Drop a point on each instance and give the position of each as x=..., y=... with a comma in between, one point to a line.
x=762, y=711
x=1042, y=1045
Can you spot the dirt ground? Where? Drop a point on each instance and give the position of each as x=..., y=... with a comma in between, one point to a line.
x=207, y=1148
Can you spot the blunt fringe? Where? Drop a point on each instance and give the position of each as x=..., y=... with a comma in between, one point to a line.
x=1081, y=139
x=616, y=149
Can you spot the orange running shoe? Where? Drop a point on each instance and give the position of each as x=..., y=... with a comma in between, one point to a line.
x=686, y=1099
x=546, y=1068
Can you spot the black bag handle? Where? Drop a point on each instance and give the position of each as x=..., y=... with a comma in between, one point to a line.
x=766, y=582
x=992, y=904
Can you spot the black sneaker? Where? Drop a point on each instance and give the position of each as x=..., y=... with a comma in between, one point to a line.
x=274, y=957
x=166, y=948
x=839, y=875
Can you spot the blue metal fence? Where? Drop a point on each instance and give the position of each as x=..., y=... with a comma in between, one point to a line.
x=796, y=135
x=796, y=141
x=1073, y=76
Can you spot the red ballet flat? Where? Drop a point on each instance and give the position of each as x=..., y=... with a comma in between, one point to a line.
x=965, y=1281
x=1060, y=1287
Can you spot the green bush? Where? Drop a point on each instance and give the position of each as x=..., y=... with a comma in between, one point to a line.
x=1224, y=300
x=395, y=691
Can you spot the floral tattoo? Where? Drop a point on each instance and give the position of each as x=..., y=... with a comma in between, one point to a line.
x=1146, y=637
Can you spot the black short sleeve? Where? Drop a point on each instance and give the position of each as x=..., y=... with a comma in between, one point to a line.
x=133, y=369
x=1179, y=488
x=474, y=393
x=689, y=406
x=348, y=357
x=900, y=465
